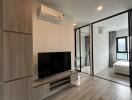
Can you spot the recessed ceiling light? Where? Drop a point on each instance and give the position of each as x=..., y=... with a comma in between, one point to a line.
x=99, y=8
x=74, y=24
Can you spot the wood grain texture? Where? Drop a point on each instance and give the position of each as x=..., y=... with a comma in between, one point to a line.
x=17, y=15
x=19, y=90
x=28, y=53
x=1, y=92
x=1, y=56
x=41, y=92
x=17, y=55
x=94, y=89
x=110, y=74
x=0, y=15
x=42, y=88
x=54, y=78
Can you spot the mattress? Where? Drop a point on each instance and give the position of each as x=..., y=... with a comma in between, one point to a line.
x=121, y=67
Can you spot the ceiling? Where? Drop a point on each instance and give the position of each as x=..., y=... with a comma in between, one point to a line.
x=84, y=11
x=117, y=23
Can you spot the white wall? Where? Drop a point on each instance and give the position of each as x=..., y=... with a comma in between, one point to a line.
x=100, y=50
x=50, y=37
x=122, y=33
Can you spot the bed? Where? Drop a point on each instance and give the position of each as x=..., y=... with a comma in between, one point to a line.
x=121, y=67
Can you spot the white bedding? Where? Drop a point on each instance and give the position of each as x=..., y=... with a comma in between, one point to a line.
x=121, y=67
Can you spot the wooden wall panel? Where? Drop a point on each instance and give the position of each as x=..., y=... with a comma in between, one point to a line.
x=0, y=15
x=1, y=92
x=16, y=50
x=19, y=90
x=17, y=15
x=17, y=56
x=28, y=53
x=1, y=56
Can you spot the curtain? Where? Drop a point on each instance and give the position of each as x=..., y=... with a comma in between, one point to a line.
x=87, y=50
x=130, y=44
x=112, y=48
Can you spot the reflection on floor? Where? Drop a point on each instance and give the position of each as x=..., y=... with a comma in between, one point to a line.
x=86, y=69
x=84, y=78
x=83, y=75
x=109, y=74
x=93, y=89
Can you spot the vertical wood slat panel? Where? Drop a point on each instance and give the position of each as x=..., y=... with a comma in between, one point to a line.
x=17, y=55
x=15, y=49
x=1, y=56
x=28, y=53
x=17, y=16
x=19, y=90
x=1, y=92
x=0, y=15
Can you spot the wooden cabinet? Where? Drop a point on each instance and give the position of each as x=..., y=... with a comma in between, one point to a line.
x=28, y=53
x=40, y=92
x=1, y=91
x=17, y=50
x=1, y=56
x=17, y=90
x=0, y=15
x=52, y=84
x=17, y=15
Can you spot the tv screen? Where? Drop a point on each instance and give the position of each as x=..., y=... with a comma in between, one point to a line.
x=53, y=63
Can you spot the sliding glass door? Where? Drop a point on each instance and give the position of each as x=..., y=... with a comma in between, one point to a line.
x=111, y=44
x=77, y=50
x=82, y=37
x=130, y=44
x=111, y=49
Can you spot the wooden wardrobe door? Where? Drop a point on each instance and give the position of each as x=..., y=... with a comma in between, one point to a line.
x=0, y=15
x=16, y=62
x=1, y=92
x=28, y=52
x=17, y=15
x=19, y=90
x=1, y=56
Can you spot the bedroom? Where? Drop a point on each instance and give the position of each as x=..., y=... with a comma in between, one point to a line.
x=111, y=49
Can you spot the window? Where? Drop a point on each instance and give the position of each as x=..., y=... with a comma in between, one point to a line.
x=122, y=50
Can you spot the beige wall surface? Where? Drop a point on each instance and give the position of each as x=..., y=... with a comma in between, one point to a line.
x=51, y=37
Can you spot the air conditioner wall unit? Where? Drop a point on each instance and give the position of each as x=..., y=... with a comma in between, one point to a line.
x=49, y=14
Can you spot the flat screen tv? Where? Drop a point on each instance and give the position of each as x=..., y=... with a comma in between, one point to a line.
x=52, y=63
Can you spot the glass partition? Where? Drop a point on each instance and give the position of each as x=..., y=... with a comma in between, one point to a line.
x=78, y=53
x=83, y=49
x=110, y=49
